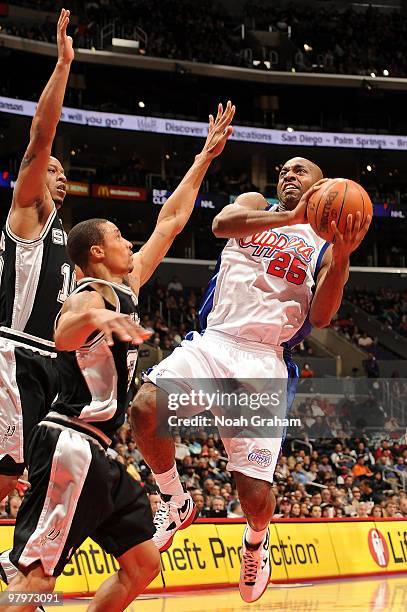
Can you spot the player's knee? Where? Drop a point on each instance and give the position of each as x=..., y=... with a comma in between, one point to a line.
x=254, y=498
x=35, y=580
x=143, y=409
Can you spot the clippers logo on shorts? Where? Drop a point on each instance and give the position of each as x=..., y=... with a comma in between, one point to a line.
x=9, y=433
x=262, y=456
x=378, y=547
x=51, y=535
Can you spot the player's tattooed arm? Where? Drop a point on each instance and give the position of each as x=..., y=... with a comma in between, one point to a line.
x=31, y=187
x=177, y=210
x=84, y=313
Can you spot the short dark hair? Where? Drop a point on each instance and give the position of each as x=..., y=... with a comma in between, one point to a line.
x=82, y=237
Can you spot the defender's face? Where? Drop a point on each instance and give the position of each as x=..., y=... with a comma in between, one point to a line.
x=117, y=250
x=56, y=181
x=295, y=178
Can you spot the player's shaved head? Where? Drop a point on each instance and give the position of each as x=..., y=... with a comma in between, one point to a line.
x=296, y=176
x=308, y=163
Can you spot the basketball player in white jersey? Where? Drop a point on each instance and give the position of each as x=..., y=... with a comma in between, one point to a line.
x=275, y=279
x=36, y=276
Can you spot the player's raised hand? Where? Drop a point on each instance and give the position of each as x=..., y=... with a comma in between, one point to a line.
x=354, y=233
x=299, y=213
x=64, y=42
x=121, y=325
x=219, y=130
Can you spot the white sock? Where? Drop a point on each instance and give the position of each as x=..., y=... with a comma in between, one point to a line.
x=169, y=482
x=255, y=537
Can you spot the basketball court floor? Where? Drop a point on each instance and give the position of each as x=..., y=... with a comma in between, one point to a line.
x=367, y=595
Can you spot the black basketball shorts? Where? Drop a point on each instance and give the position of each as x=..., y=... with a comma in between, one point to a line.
x=28, y=386
x=77, y=491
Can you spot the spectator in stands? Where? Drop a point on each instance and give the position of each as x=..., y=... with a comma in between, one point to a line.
x=403, y=507
x=154, y=499
x=306, y=371
x=365, y=341
x=235, y=510
x=181, y=449
x=371, y=366
x=377, y=512
x=175, y=286
x=390, y=508
x=3, y=512
x=363, y=510
x=14, y=505
x=360, y=468
x=218, y=508
x=316, y=512
x=199, y=502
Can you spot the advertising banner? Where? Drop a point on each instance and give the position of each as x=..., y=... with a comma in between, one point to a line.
x=118, y=192
x=77, y=188
x=198, y=129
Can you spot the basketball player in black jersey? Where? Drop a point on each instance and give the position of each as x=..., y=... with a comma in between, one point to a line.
x=36, y=276
x=96, y=337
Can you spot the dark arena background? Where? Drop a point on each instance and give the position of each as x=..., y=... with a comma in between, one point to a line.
x=325, y=80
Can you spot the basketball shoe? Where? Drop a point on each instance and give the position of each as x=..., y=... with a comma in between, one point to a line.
x=174, y=512
x=255, y=569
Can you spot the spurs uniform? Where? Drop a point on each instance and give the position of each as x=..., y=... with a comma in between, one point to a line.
x=35, y=279
x=77, y=489
x=255, y=310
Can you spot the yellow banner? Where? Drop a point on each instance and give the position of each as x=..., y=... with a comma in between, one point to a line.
x=196, y=557
x=306, y=549
x=209, y=554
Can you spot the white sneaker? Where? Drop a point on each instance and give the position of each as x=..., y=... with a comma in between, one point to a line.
x=255, y=569
x=174, y=512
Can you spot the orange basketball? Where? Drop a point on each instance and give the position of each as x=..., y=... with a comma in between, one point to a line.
x=334, y=201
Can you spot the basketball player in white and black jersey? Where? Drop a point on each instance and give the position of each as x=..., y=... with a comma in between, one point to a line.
x=96, y=337
x=274, y=280
x=36, y=276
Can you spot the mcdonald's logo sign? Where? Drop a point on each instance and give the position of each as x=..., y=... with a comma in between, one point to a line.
x=116, y=192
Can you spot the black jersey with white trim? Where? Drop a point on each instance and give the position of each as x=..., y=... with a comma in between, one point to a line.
x=36, y=276
x=96, y=379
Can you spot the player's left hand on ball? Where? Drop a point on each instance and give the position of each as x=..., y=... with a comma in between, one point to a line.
x=219, y=130
x=64, y=42
x=354, y=233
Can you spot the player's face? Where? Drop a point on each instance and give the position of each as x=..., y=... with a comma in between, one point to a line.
x=295, y=178
x=56, y=181
x=118, y=253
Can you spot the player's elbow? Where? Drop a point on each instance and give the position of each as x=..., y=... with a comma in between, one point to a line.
x=219, y=227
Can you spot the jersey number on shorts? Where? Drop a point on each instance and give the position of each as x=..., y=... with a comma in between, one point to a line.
x=68, y=283
x=285, y=265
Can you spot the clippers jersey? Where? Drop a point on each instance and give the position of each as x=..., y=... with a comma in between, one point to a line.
x=36, y=277
x=96, y=379
x=263, y=286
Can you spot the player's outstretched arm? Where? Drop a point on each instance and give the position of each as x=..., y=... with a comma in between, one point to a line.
x=247, y=215
x=334, y=272
x=177, y=210
x=32, y=201
x=84, y=313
